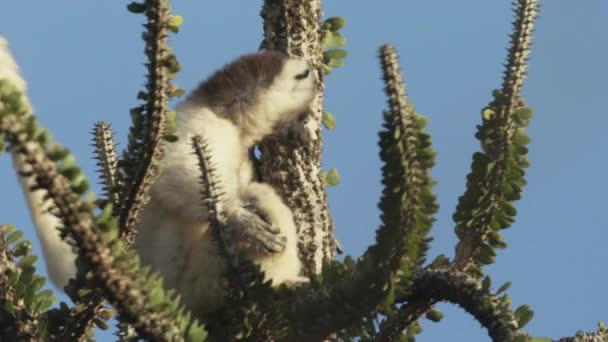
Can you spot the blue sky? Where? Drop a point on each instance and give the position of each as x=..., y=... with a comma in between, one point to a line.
x=83, y=61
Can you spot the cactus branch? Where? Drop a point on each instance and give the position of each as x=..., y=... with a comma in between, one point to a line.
x=294, y=27
x=460, y=289
x=143, y=154
x=105, y=153
x=407, y=201
x=496, y=178
x=211, y=198
x=516, y=68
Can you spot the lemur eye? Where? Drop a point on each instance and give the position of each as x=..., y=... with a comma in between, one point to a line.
x=303, y=75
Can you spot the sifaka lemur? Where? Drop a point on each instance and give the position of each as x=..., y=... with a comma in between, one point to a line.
x=255, y=96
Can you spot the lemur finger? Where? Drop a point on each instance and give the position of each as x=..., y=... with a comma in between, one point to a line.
x=263, y=216
x=251, y=232
x=262, y=237
x=269, y=244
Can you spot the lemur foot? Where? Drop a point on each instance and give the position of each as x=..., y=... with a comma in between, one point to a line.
x=252, y=230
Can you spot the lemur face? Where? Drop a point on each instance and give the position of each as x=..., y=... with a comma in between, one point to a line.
x=270, y=86
x=293, y=89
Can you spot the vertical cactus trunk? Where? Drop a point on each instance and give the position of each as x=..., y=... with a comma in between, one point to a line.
x=293, y=26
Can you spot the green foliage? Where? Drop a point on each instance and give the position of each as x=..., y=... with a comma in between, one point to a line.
x=407, y=201
x=24, y=280
x=411, y=332
x=333, y=56
x=151, y=121
x=136, y=7
x=175, y=21
x=434, y=315
x=495, y=182
x=504, y=287
x=328, y=120
x=524, y=315
x=332, y=177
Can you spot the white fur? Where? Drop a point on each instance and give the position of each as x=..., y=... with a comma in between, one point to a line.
x=173, y=234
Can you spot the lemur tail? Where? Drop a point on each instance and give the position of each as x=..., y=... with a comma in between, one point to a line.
x=57, y=253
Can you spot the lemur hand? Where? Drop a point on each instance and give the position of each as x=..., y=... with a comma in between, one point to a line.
x=251, y=229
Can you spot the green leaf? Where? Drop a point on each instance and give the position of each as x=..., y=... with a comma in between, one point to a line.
x=504, y=287
x=335, y=54
x=333, y=40
x=14, y=237
x=106, y=213
x=196, y=332
x=44, y=300
x=328, y=120
x=524, y=115
x=488, y=113
x=28, y=297
x=326, y=69
x=336, y=63
x=434, y=316
x=101, y=324
x=136, y=7
x=10, y=307
x=175, y=21
x=26, y=276
x=486, y=283
x=28, y=260
x=334, y=23
x=332, y=177
x=523, y=315
x=440, y=260
x=486, y=258
x=80, y=187
x=179, y=92
x=521, y=138
x=38, y=283
x=70, y=172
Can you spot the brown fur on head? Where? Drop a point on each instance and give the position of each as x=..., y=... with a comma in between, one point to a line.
x=237, y=82
x=258, y=92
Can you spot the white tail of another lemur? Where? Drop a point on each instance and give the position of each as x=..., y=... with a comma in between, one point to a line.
x=58, y=254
